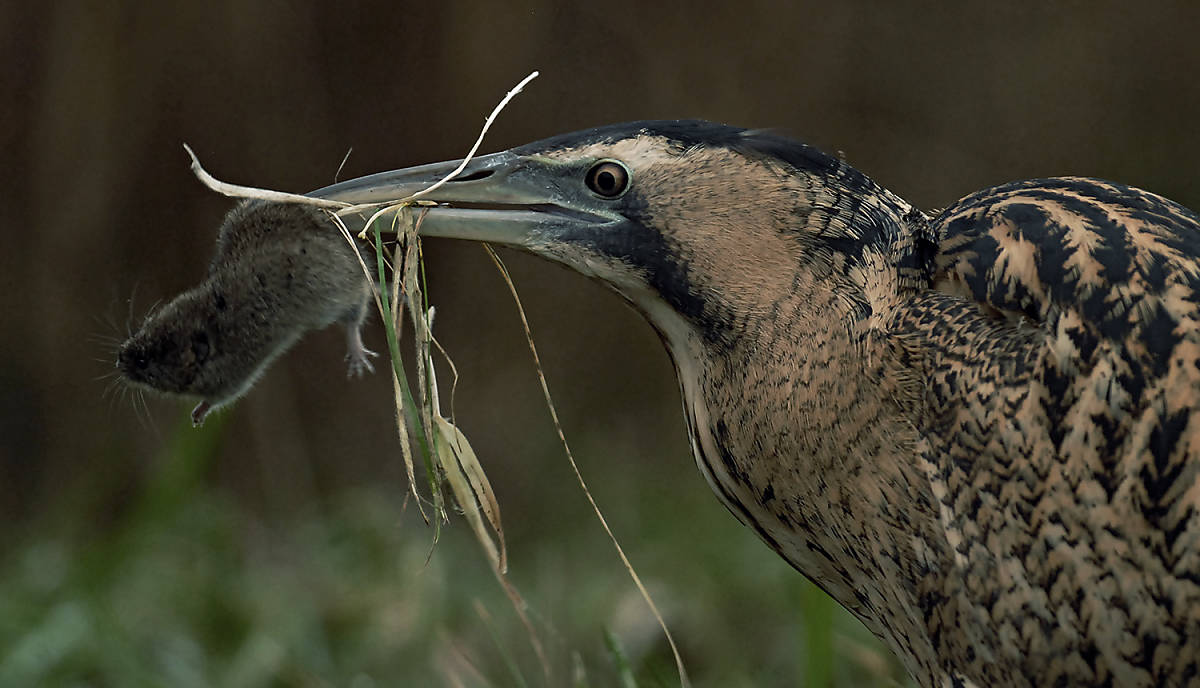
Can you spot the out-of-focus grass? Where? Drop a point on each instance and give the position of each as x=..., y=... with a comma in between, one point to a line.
x=189, y=589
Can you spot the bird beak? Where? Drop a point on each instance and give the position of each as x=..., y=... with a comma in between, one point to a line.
x=502, y=198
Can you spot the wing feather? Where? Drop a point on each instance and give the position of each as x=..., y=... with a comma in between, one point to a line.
x=1085, y=245
x=1070, y=479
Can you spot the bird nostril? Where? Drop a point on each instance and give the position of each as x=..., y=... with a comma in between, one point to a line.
x=474, y=176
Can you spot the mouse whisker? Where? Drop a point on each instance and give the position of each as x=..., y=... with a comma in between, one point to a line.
x=142, y=410
x=129, y=311
x=114, y=393
x=107, y=324
x=109, y=345
x=149, y=423
x=104, y=376
x=150, y=312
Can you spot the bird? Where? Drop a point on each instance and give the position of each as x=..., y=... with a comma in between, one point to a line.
x=976, y=429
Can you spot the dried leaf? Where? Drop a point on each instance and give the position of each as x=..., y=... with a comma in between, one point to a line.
x=450, y=447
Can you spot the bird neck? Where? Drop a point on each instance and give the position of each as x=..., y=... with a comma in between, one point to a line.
x=806, y=414
x=799, y=412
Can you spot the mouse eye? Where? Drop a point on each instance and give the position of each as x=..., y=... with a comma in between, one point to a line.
x=608, y=178
x=200, y=345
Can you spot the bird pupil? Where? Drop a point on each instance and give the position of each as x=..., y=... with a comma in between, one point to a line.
x=607, y=179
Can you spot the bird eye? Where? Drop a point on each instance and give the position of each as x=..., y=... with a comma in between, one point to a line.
x=608, y=178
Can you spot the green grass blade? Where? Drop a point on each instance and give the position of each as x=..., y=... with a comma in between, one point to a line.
x=410, y=403
x=619, y=660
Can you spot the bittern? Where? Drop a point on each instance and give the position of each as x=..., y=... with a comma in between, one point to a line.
x=976, y=430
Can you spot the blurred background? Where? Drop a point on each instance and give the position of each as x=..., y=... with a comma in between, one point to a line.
x=273, y=547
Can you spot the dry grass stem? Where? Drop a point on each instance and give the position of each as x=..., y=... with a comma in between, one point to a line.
x=343, y=164
x=683, y=679
x=238, y=191
x=384, y=207
x=397, y=319
x=343, y=208
x=487, y=124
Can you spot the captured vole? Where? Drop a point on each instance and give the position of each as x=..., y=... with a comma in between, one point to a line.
x=280, y=270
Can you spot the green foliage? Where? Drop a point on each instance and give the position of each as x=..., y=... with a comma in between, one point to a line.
x=190, y=589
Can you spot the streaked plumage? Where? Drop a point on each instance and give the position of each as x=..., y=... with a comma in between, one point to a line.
x=1067, y=448
x=977, y=431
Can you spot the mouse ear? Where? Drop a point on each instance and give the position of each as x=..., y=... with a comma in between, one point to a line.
x=200, y=345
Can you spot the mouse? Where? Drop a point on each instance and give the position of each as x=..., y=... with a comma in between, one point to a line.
x=280, y=270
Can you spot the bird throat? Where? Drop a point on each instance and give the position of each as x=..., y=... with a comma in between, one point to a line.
x=798, y=422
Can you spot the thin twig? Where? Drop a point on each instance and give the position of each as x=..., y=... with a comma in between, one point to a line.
x=382, y=207
x=238, y=191
x=537, y=362
x=344, y=159
x=341, y=207
x=487, y=124
x=397, y=317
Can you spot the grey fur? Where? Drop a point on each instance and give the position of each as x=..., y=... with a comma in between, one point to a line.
x=280, y=270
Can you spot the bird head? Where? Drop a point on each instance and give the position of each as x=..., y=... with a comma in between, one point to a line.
x=693, y=223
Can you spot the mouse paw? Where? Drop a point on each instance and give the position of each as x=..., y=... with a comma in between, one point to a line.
x=200, y=413
x=360, y=362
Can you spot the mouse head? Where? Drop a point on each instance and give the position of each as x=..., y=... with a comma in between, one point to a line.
x=171, y=349
x=211, y=342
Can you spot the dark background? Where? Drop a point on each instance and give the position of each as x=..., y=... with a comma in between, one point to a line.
x=104, y=219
